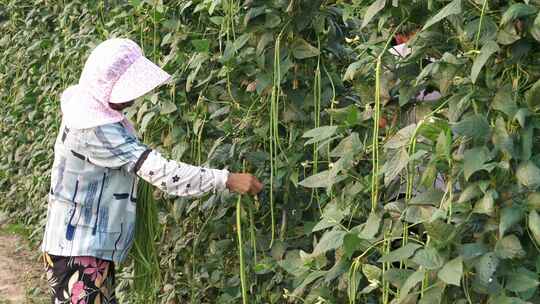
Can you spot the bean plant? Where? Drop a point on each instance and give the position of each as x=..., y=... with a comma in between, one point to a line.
x=372, y=194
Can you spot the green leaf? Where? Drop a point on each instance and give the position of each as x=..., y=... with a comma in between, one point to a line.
x=293, y=263
x=372, y=10
x=474, y=160
x=488, y=30
x=323, y=179
x=533, y=95
x=453, y=8
x=400, y=254
x=419, y=214
x=452, y=272
x=393, y=166
x=517, y=11
x=501, y=139
x=444, y=145
x=472, y=250
x=350, y=73
x=430, y=197
x=308, y=280
x=409, y=284
x=351, y=243
x=401, y=138
x=474, y=126
x=535, y=28
x=433, y=295
x=504, y=101
x=509, y=217
x=502, y=299
x=301, y=49
x=167, y=107
x=371, y=272
x=487, y=50
x=372, y=226
x=528, y=175
x=428, y=258
x=201, y=45
x=534, y=225
x=332, y=216
x=486, y=205
x=319, y=134
x=349, y=145
x=471, y=192
x=521, y=280
x=397, y=277
x=329, y=241
x=486, y=266
x=533, y=201
x=509, y=247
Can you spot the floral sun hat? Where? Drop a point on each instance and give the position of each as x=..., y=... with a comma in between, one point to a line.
x=115, y=72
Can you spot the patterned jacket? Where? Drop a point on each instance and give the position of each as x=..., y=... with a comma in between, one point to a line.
x=92, y=199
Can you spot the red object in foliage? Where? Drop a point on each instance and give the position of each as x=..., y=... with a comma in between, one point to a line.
x=404, y=38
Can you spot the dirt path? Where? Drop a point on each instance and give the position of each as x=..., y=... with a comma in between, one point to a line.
x=20, y=271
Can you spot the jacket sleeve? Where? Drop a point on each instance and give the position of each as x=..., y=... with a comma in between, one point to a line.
x=177, y=178
x=112, y=146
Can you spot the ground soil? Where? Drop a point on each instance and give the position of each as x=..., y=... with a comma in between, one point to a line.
x=21, y=275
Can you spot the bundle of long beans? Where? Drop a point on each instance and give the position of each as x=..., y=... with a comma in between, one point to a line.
x=147, y=275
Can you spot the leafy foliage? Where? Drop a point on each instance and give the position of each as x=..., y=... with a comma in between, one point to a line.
x=288, y=87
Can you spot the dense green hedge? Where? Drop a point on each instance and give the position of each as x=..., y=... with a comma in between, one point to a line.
x=305, y=94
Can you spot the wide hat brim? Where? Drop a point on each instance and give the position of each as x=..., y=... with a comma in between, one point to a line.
x=141, y=77
x=82, y=110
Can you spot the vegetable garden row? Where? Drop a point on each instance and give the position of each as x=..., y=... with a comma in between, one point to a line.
x=373, y=195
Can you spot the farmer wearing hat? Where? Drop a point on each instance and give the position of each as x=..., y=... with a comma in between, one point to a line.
x=98, y=160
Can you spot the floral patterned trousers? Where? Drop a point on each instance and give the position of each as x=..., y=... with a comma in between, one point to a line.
x=80, y=280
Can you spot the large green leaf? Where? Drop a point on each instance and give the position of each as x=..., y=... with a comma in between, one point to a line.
x=534, y=225
x=430, y=197
x=452, y=8
x=372, y=226
x=486, y=205
x=535, y=28
x=428, y=258
x=521, y=280
x=516, y=11
x=293, y=263
x=486, y=267
x=474, y=126
x=487, y=50
x=301, y=49
x=533, y=95
x=319, y=134
x=488, y=30
x=350, y=145
x=400, y=254
x=372, y=10
x=452, y=271
x=509, y=247
x=329, y=241
x=475, y=160
x=528, y=174
x=504, y=101
x=332, y=216
x=509, y=217
x=402, y=138
x=418, y=214
x=393, y=166
x=409, y=284
x=397, y=277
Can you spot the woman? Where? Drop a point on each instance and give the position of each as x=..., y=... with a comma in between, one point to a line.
x=98, y=159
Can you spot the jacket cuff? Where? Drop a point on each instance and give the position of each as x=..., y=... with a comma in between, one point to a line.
x=220, y=179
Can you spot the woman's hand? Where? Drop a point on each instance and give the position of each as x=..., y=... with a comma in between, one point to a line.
x=243, y=183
